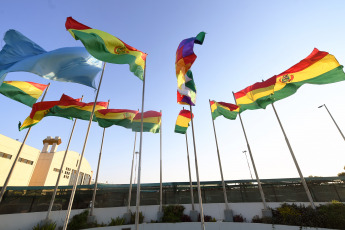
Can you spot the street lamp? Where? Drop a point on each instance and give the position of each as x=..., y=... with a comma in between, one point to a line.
x=245, y=153
x=341, y=133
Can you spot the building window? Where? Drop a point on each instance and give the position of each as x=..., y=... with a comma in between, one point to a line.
x=25, y=161
x=5, y=155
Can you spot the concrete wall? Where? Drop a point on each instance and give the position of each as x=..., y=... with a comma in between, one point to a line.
x=23, y=172
x=25, y=221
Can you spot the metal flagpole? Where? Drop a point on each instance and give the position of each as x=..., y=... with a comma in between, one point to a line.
x=197, y=175
x=130, y=183
x=295, y=161
x=140, y=152
x=252, y=159
x=219, y=161
x=190, y=176
x=341, y=133
x=248, y=164
x=3, y=189
x=160, y=186
x=61, y=167
x=97, y=172
x=82, y=154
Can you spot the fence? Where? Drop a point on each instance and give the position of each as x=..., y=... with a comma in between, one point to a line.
x=36, y=199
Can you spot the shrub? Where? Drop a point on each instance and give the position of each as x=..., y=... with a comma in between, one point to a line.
x=207, y=218
x=141, y=218
x=239, y=218
x=172, y=213
x=46, y=226
x=117, y=221
x=256, y=219
x=79, y=221
x=333, y=215
x=186, y=218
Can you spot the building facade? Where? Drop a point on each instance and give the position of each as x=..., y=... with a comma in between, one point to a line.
x=40, y=168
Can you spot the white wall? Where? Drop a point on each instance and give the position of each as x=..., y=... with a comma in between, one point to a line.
x=25, y=221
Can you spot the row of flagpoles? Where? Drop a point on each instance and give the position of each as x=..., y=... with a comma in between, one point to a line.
x=256, y=96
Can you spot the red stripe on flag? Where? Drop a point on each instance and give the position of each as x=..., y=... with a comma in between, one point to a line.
x=314, y=57
x=73, y=24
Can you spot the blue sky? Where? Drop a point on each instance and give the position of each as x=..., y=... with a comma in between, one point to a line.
x=246, y=41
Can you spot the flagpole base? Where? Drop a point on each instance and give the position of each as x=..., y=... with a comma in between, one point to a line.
x=194, y=215
x=266, y=213
x=127, y=217
x=160, y=216
x=228, y=215
x=91, y=219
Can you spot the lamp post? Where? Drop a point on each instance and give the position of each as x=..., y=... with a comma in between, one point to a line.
x=324, y=105
x=245, y=153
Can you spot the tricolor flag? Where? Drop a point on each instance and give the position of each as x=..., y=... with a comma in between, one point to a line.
x=23, y=91
x=107, y=48
x=121, y=117
x=228, y=110
x=256, y=96
x=318, y=68
x=182, y=121
x=66, y=107
x=185, y=57
x=69, y=107
x=152, y=122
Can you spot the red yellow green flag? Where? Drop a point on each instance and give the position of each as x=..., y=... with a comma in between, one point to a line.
x=69, y=107
x=182, y=121
x=107, y=47
x=256, y=96
x=22, y=91
x=318, y=68
x=66, y=107
x=121, y=117
x=152, y=122
x=228, y=110
x=38, y=112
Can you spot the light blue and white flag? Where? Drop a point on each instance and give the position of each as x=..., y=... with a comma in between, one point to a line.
x=70, y=64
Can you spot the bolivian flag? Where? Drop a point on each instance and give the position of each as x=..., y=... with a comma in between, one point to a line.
x=228, y=110
x=152, y=122
x=66, y=107
x=256, y=96
x=182, y=121
x=69, y=107
x=107, y=48
x=121, y=117
x=23, y=91
x=318, y=68
x=38, y=112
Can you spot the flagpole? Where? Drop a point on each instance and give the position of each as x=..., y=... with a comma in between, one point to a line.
x=4, y=187
x=219, y=161
x=140, y=152
x=97, y=173
x=266, y=209
x=295, y=161
x=160, y=186
x=130, y=183
x=60, y=172
x=82, y=154
x=341, y=133
x=190, y=175
x=197, y=175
